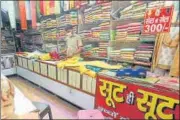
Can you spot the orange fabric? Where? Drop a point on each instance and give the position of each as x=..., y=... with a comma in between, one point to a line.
x=22, y=11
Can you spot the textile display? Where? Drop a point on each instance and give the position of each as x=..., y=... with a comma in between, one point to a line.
x=11, y=13
x=22, y=11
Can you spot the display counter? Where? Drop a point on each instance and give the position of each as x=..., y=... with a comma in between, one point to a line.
x=66, y=83
x=121, y=99
x=115, y=97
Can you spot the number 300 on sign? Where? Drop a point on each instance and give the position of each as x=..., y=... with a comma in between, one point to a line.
x=154, y=28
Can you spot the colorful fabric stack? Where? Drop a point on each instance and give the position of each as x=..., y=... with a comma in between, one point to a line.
x=127, y=54
x=155, y=4
x=146, y=38
x=103, y=49
x=143, y=55
x=135, y=11
x=129, y=31
x=105, y=32
x=86, y=33
x=93, y=13
x=106, y=11
x=115, y=54
x=96, y=32
x=68, y=19
x=121, y=32
x=134, y=31
x=98, y=12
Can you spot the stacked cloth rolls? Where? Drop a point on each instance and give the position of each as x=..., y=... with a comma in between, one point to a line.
x=129, y=31
x=127, y=54
x=102, y=52
x=135, y=11
x=143, y=55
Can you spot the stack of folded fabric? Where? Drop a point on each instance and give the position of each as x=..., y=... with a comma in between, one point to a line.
x=134, y=31
x=96, y=32
x=121, y=32
x=115, y=54
x=103, y=49
x=73, y=18
x=146, y=38
x=86, y=33
x=105, y=32
x=127, y=54
x=106, y=10
x=143, y=55
x=93, y=13
x=135, y=11
x=155, y=4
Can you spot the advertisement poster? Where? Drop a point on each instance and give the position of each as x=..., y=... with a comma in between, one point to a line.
x=123, y=100
x=157, y=20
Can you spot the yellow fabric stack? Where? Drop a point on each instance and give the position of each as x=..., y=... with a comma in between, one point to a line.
x=74, y=63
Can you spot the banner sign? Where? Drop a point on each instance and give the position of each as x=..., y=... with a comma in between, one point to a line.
x=122, y=100
x=158, y=20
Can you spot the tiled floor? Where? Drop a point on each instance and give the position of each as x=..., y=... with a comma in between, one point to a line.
x=60, y=108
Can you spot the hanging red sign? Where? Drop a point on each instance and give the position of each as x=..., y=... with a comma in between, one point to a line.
x=123, y=100
x=158, y=20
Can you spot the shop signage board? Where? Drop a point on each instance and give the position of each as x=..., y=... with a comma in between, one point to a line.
x=122, y=100
x=158, y=20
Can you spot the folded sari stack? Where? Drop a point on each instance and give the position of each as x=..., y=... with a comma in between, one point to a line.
x=127, y=54
x=143, y=55
x=134, y=31
x=135, y=11
x=121, y=32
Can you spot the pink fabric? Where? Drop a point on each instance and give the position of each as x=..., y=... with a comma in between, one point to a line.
x=90, y=114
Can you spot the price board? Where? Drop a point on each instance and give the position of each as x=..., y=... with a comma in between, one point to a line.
x=158, y=20
x=123, y=100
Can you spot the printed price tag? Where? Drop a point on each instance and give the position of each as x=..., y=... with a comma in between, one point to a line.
x=158, y=20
